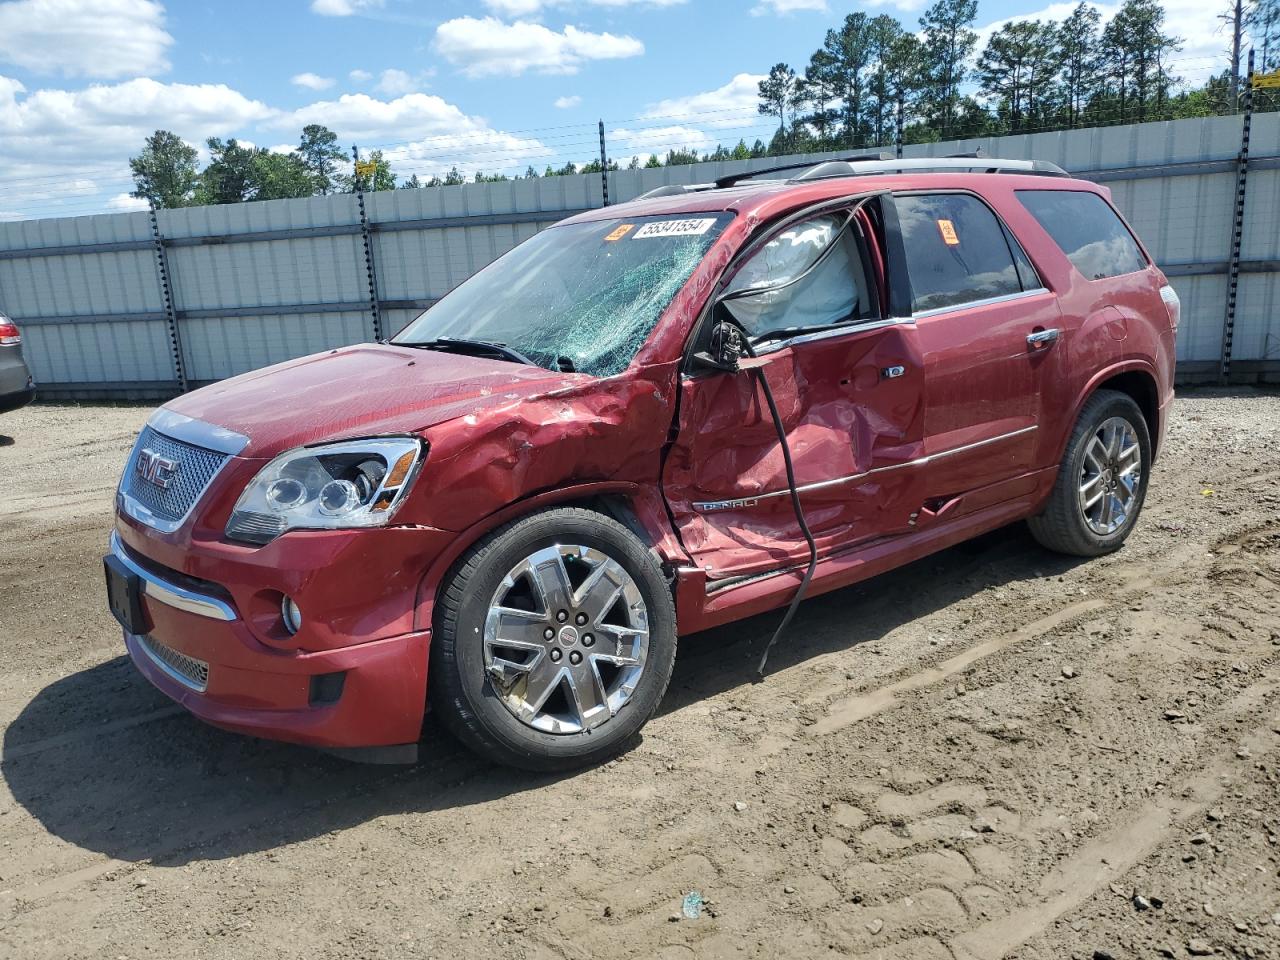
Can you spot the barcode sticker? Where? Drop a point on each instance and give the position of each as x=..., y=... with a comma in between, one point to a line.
x=675, y=228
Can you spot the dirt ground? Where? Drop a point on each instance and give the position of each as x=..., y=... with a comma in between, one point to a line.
x=992, y=752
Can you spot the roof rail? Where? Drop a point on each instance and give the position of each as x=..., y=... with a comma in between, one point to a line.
x=675, y=189
x=734, y=178
x=868, y=164
x=972, y=164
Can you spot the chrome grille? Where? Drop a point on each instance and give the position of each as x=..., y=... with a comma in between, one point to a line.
x=187, y=670
x=196, y=467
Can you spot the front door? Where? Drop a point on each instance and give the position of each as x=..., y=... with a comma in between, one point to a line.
x=848, y=386
x=976, y=298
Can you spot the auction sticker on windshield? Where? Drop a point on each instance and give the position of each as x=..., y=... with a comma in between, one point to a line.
x=675, y=228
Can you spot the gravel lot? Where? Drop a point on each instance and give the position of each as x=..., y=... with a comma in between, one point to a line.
x=992, y=752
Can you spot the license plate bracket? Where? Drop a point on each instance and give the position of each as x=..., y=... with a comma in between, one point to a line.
x=124, y=596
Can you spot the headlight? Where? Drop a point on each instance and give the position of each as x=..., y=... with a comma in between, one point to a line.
x=358, y=483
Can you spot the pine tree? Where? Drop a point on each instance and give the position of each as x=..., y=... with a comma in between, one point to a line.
x=1078, y=43
x=949, y=41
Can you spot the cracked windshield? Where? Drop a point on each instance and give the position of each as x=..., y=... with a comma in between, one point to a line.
x=580, y=297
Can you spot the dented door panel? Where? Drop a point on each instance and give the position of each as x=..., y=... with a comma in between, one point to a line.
x=854, y=434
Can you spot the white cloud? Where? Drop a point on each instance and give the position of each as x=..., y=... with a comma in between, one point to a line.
x=784, y=7
x=732, y=105
x=73, y=145
x=93, y=131
x=396, y=83
x=122, y=202
x=567, y=103
x=360, y=76
x=342, y=8
x=658, y=140
x=88, y=38
x=489, y=47
x=524, y=8
x=311, y=81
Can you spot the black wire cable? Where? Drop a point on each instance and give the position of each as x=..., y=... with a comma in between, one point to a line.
x=795, y=505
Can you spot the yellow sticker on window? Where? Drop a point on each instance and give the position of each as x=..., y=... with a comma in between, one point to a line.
x=948, y=231
x=619, y=232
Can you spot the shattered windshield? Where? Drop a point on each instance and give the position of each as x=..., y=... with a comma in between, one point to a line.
x=583, y=296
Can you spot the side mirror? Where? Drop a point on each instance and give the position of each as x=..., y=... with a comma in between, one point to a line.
x=726, y=349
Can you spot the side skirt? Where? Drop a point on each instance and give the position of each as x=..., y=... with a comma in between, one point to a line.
x=766, y=592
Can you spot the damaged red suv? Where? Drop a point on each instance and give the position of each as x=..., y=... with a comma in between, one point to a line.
x=648, y=420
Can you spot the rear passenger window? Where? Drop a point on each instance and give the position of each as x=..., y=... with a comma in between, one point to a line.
x=957, y=251
x=1094, y=239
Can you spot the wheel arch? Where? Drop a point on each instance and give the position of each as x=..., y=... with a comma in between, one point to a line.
x=626, y=502
x=1136, y=379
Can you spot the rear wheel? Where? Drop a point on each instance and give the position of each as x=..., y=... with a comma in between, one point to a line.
x=1102, y=481
x=555, y=641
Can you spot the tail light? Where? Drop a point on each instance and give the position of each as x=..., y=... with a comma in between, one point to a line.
x=9, y=333
x=1172, y=304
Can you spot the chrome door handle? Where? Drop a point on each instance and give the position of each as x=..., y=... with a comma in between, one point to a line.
x=1042, y=338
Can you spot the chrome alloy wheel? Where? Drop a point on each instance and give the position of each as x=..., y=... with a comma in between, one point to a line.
x=565, y=638
x=1110, y=476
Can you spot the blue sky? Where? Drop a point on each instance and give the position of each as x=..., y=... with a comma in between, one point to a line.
x=492, y=85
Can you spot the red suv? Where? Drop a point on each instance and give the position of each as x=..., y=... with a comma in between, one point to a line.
x=648, y=420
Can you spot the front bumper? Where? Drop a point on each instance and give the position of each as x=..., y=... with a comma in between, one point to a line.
x=200, y=652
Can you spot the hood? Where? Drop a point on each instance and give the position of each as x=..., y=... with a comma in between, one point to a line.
x=357, y=391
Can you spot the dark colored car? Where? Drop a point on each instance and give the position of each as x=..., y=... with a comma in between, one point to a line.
x=17, y=387
x=648, y=420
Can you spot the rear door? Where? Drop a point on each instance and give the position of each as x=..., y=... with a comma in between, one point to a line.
x=847, y=383
x=975, y=301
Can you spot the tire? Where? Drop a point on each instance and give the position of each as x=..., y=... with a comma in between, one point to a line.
x=1068, y=524
x=491, y=671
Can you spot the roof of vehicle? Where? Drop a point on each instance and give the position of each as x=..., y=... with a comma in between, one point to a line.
x=768, y=197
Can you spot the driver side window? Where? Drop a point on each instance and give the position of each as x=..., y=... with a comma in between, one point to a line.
x=809, y=276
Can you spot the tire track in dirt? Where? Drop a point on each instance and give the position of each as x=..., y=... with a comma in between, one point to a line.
x=1110, y=856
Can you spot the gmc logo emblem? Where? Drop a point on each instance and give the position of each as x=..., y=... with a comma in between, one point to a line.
x=156, y=469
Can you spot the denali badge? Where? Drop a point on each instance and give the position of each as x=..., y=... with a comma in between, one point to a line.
x=156, y=469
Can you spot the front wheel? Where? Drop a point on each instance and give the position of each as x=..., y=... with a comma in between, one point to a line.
x=555, y=639
x=1102, y=481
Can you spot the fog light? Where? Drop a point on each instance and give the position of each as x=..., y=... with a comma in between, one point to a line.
x=291, y=614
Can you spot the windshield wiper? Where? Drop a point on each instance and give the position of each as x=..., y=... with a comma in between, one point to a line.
x=464, y=345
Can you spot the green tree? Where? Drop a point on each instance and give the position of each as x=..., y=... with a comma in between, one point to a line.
x=229, y=176
x=840, y=66
x=949, y=41
x=413, y=183
x=820, y=91
x=884, y=36
x=653, y=162
x=1017, y=69
x=679, y=157
x=278, y=176
x=904, y=73
x=530, y=173
x=165, y=172
x=453, y=178
x=779, y=94
x=1078, y=47
x=382, y=178
x=1137, y=52
x=322, y=156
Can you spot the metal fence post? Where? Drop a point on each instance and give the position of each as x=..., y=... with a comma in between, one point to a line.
x=604, y=167
x=170, y=311
x=365, y=233
x=1237, y=227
